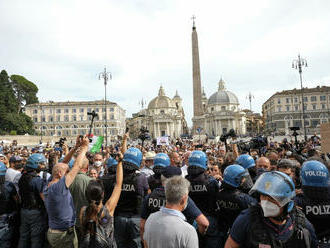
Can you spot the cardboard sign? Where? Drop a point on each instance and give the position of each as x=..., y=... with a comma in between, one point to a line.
x=325, y=137
x=161, y=141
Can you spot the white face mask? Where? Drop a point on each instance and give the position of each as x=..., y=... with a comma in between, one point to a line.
x=98, y=163
x=270, y=209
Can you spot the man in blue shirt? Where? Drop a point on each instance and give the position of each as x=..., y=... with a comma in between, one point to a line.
x=59, y=202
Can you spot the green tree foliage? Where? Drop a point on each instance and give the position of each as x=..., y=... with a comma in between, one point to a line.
x=15, y=92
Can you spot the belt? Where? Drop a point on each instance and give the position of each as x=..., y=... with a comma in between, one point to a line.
x=69, y=230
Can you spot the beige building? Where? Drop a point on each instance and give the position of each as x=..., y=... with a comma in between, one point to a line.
x=71, y=119
x=163, y=117
x=284, y=110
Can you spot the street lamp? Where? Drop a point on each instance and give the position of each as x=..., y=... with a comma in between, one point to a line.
x=298, y=64
x=106, y=76
x=41, y=121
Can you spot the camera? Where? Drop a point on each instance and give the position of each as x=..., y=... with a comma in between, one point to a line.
x=60, y=143
x=225, y=136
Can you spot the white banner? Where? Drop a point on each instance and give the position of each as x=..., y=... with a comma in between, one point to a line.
x=162, y=141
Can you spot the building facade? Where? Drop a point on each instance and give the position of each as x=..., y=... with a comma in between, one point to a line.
x=284, y=110
x=163, y=117
x=71, y=118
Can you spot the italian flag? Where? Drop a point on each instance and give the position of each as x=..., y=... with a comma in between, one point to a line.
x=96, y=144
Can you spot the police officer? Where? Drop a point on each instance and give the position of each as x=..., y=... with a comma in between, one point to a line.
x=8, y=210
x=127, y=214
x=247, y=162
x=203, y=191
x=230, y=200
x=154, y=201
x=109, y=179
x=315, y=199
x=275, y=221
x=161, y=160
x=33, y=214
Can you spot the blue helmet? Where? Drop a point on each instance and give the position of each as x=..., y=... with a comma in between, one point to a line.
x=111, y=162
x=3, y=169
x=133, y=156
x=234, y=174
x=71, y=162
x=246, y=161
x=314, y=173
x=162, y=160
x=276, y=185
x=34, y=160
x=199, y=159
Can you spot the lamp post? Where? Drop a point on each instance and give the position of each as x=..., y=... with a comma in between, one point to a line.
x=41, y=121
x=298, y=64
x=106, y=76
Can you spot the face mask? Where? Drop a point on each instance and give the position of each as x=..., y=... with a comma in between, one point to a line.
x=270, y=209
x=98, y=163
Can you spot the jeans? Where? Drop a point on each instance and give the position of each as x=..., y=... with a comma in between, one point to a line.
x=33, y=229
x=66, y=239
x=127, y=232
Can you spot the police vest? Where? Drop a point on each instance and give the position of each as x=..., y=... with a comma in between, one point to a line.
x=29, y=198
x=229, y=204
x=156, y=200
x=260, y=236
x=317, y=211
x=129, y=201
x=201, y=193
x=154, y=182
x=7, y=202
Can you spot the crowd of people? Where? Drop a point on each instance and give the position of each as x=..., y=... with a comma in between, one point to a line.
x=180, y=195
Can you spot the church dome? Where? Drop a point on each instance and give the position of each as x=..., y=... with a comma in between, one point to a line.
x=223, y=96
x=161, y=101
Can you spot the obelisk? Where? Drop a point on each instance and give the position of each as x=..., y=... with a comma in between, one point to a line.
x=197, y=87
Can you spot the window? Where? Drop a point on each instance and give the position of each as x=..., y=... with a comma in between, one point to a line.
x=287, y=100
x=212, y=109
x=111, y=109
x=50, y=118
x=323, y=98
x=305, y=99
x=59, y=133
x=296, y=99
x=43, y=119
x=50, y=111
x=279, y=109
x=223, y=107
x=74, y=110
x=89, y=110
x=296, y=108
x=66, y=118
x=279, y=100
x=82, y=110
x=58, y=118
x=313, y=98
x=314, y=106
x=305, y=107
x=81, y=117
x=112, y=117
x=162, y=112
x=35, y=119
x=323, y=106
x=97, y=110
x=315, y=123
x=307, y=123
x=66, y=110
x=74, y=118
x=58, y=111
x=103, y=109
x=297, y=123
x=287, y=108
x=35, y=111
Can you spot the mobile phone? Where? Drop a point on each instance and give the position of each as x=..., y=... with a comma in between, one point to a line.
x=127, y=129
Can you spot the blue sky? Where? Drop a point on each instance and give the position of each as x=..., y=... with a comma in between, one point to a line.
x=63, y=45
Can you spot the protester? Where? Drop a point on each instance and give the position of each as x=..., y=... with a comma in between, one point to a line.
x=93, y=173
x=97, y=219
x=59, y=202
x=168, y=227
x=148, y=163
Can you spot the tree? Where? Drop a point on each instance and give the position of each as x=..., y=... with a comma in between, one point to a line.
x=15, y=92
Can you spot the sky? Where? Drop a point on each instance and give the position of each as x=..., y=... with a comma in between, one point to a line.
x=63, y=45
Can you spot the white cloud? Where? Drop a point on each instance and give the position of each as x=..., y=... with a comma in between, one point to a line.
x=62, y=46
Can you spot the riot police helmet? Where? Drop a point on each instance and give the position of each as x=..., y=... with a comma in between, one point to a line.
x=132, y=158
x=314, y=173
x=35, y=160
x=235, y=175
x=198, y=158
x=3, y=169
x=246, y=161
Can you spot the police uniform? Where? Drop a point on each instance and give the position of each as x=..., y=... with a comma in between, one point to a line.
x=8, y=215
x=154, y=182
x=203, y=190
